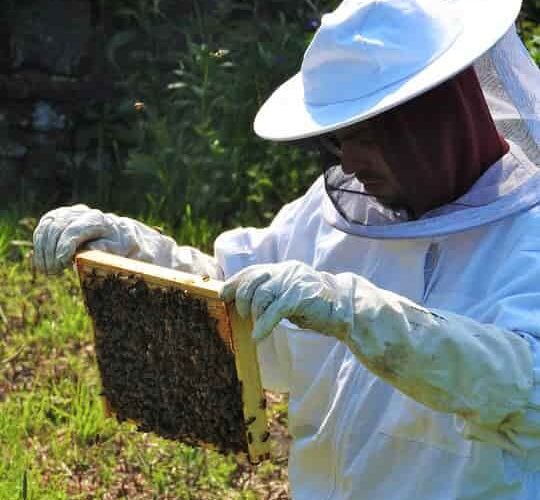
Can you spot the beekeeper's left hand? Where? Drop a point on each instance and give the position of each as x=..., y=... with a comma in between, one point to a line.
x=292, y=290
x=446, y=361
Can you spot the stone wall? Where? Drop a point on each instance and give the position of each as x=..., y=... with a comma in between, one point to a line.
x=50, y=62
x=65, y=119
x=55, y=86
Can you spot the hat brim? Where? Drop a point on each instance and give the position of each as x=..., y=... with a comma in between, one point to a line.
x=285, y=116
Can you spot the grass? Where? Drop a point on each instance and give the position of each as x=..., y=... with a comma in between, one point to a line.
x=55, y=440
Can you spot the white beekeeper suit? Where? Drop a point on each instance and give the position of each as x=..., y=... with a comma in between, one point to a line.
x=410, y=349
x=356, y=436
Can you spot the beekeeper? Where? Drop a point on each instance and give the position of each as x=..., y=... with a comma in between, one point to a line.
x=397, y=301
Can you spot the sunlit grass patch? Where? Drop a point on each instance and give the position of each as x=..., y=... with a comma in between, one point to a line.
x=55, y=440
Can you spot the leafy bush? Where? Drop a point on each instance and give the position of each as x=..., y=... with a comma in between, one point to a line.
x=179, y=134
x=530, y=28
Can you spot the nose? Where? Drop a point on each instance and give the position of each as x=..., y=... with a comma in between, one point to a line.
x=360, y=158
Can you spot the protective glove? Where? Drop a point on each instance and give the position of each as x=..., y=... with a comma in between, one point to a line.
x=292, y=290
x=66, y=230
x=447, y=362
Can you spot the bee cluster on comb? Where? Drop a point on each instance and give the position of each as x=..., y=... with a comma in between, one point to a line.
x=169, y=359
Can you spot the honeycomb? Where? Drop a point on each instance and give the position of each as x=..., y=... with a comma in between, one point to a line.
x=167, y=365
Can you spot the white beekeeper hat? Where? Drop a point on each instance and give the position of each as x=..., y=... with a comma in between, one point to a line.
x=371, y=55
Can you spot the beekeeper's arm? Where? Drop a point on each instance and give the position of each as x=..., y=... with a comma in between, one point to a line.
x=445, y=361
x=62, y=232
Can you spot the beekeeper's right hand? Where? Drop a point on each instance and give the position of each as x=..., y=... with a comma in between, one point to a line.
x=66, y=230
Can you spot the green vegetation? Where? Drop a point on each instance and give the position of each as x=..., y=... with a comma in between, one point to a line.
x=530, y=27
x=176, y=136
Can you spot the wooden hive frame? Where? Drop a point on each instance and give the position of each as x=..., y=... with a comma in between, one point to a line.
x=234, y=331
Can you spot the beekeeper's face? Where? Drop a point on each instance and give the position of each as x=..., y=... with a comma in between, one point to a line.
x=363, y=157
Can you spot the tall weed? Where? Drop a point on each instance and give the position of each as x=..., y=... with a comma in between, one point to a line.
x=15, y=235
x=82, y=411
x=6, y=236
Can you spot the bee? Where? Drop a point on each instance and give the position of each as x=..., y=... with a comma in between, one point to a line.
x=146, y=337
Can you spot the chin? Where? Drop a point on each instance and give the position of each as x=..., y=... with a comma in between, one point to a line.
x=392, y=204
